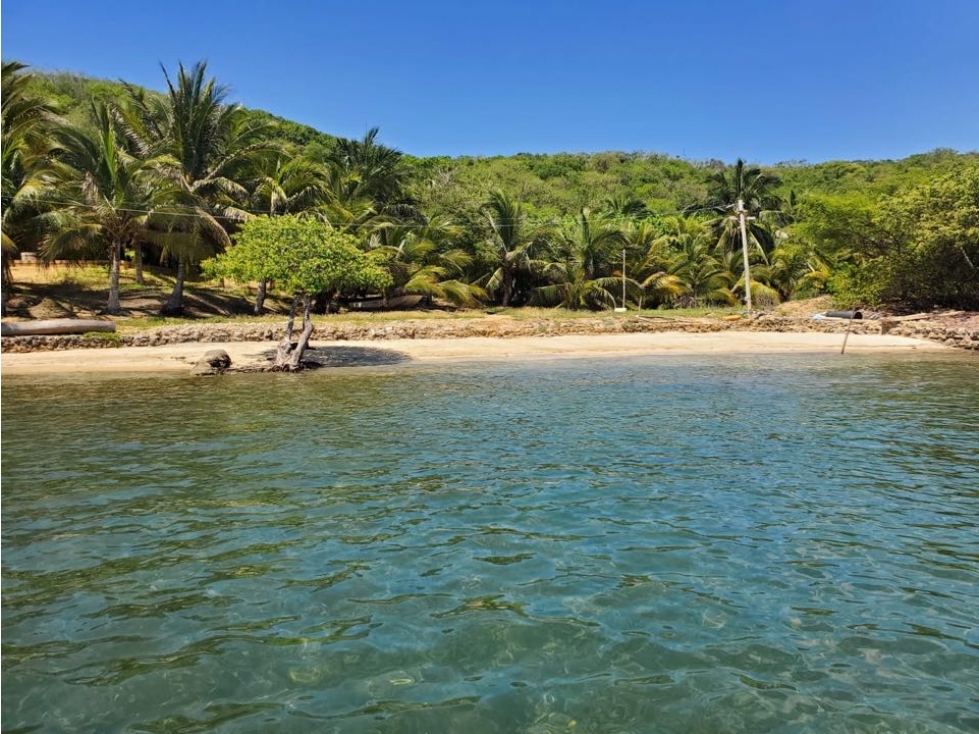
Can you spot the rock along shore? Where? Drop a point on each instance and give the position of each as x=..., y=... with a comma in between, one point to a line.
x=962, y=337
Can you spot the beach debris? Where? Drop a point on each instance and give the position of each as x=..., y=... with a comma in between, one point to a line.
x=214, y=362
x=849, y=315
x=924, y=316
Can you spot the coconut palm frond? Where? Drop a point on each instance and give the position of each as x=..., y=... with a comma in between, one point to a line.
x=463, y=294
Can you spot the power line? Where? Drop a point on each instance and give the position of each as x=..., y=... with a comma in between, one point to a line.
x=189, y=211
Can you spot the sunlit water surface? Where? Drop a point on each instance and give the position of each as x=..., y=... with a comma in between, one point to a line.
x=670, y=544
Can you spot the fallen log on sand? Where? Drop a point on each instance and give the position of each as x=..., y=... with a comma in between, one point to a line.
x=54, y=326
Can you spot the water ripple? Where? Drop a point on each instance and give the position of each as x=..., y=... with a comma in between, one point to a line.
x=759, y=544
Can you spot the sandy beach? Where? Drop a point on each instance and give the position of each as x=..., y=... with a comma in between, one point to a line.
x=180, y=357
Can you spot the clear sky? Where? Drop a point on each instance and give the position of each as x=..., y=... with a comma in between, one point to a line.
x=766, y=80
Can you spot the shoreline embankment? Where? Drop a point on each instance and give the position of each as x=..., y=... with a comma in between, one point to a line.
x=209, y=333
x=177, y=348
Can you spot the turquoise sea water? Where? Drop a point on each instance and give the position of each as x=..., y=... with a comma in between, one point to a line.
x=662, y=544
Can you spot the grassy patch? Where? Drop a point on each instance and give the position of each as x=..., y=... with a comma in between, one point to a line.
x=141, y=323
x=371, y=317
x=690, y=313
x=532, y=314
x=85, y=287
x=106, y=337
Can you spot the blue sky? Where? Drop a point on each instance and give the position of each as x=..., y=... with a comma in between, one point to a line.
x=765, y=80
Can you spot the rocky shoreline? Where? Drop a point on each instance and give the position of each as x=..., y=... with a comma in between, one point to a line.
x=963, y=335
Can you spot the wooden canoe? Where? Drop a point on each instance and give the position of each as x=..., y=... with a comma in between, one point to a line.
x=54, y=326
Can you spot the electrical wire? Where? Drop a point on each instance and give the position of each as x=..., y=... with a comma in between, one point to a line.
x=191, y=212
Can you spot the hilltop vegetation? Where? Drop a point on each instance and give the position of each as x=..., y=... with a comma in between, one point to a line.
x=101, y=169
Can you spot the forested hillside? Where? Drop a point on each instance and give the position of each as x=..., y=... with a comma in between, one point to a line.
x=95, y=168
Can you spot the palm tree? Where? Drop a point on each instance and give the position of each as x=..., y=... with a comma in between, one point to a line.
x=653, y=269
x=346, y=206
x=210, y=147
x=424, y=261
x=753, y=188
x=28, y=148
x=625, y=207
x=372, y=171
x=573, y=290
x=586, y=278
x=763, y=293
x=750, y=188
x=110, y=195
x=797, y=269
x=285, y=185
x=509, y=246
x=594, y=244
x=705, y=278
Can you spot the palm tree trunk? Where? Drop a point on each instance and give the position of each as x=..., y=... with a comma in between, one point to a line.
x=175, y=303
x=6, y=283
x=260, y=296
x=113, y=306
x=138, y=263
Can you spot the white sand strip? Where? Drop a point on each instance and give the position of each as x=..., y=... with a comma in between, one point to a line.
x=180, y=357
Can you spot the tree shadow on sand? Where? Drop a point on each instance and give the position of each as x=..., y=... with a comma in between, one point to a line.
x=320, y=357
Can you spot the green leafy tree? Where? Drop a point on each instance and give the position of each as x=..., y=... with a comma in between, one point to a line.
x=303, y=256
x=840, y=226
x=284, y=185
x=934, y=233
x=832, y=238
x=917, y=248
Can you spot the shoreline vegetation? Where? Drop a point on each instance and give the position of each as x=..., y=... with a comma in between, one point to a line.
x=218, y=319
x=252, y=214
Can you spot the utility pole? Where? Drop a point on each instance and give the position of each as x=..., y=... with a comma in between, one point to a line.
x=623, y=308
x=623, y=277
x=741, y=212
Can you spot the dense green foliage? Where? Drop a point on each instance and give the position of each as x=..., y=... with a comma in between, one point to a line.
x=28, y=167
x=191, y=169
x=302, y=255
x=919, y=247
